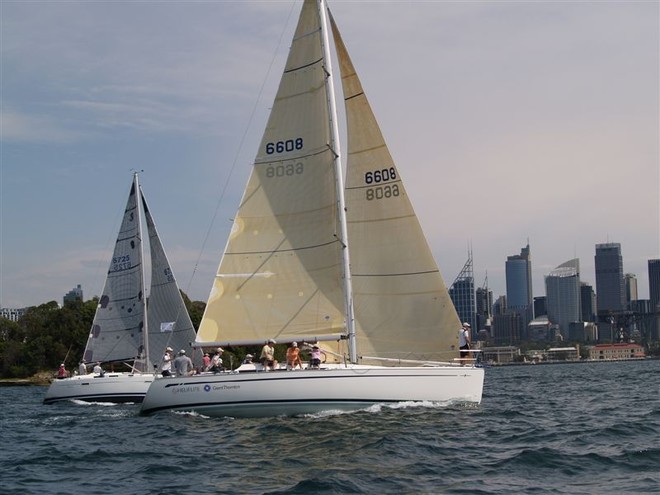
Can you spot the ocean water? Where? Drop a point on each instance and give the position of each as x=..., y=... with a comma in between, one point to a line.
x=591, y=428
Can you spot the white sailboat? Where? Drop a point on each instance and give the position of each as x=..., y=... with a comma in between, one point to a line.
x=309, y=260
x=127, y=328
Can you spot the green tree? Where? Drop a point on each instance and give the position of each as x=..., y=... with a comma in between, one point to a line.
x=46, y=336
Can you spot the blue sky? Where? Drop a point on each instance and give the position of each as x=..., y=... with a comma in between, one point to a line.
x=509, y=121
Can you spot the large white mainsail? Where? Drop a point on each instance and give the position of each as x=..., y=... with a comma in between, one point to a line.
x=402, y=307
x=117, y=332
x=281, y=272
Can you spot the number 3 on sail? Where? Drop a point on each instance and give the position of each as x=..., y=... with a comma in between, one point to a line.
x=314, y=259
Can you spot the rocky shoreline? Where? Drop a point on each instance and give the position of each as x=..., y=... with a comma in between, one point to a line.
x=43, y=378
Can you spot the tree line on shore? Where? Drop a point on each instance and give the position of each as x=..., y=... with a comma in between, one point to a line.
x=48, y=335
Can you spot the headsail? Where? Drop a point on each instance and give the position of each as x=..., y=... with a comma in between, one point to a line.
x=117, y=329
x=169, y=322
x=281, y=272
x=402, y=308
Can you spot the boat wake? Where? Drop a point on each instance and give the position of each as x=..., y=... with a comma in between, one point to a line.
x=193, y=414
x=102, y=404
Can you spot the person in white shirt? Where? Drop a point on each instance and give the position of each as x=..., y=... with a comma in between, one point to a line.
x=216, y=361
x=166, y=364
x=464, y=340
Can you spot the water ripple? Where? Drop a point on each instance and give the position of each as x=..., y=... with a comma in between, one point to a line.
x=561, y=429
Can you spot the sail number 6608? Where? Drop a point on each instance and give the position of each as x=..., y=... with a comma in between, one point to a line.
x=377, y=176
x=284, y=146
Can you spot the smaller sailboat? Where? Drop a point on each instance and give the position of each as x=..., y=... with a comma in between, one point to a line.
x=128, y=330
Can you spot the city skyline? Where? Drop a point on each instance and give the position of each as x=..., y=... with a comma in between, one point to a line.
x=509, y=122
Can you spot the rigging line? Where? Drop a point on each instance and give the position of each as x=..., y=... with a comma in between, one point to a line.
x=240, y=146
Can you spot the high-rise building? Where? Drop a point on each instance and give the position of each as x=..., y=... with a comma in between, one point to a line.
x=484, y=303
x=506, y=328
x=500, y=306
x=610, y=286
x=540, y=306
x=519, y=285
x=630, y=288
x=654, y=282
x=461, y=293
x=587, y=302
x=562, y=288
x=654, y=296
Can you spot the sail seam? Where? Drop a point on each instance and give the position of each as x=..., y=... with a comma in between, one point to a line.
x=361, y=93
x=282, y=250
x=288, y=71
x=426, y=272
x=355, y=188
x=297, y=157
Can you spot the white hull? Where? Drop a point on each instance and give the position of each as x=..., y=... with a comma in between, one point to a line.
x=112, y=387
x=261, y=394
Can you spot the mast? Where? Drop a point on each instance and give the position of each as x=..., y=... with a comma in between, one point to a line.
x=145, y=327
x=341, y=204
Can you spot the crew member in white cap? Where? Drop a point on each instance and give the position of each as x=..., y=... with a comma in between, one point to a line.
x=166, y=363
x=464, y=340
x=267, y=357
x=216, y=361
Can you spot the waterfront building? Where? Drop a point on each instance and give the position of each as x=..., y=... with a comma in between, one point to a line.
x=616, y=352
x=562, y=288
x=555, y=354
x=501, y=354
